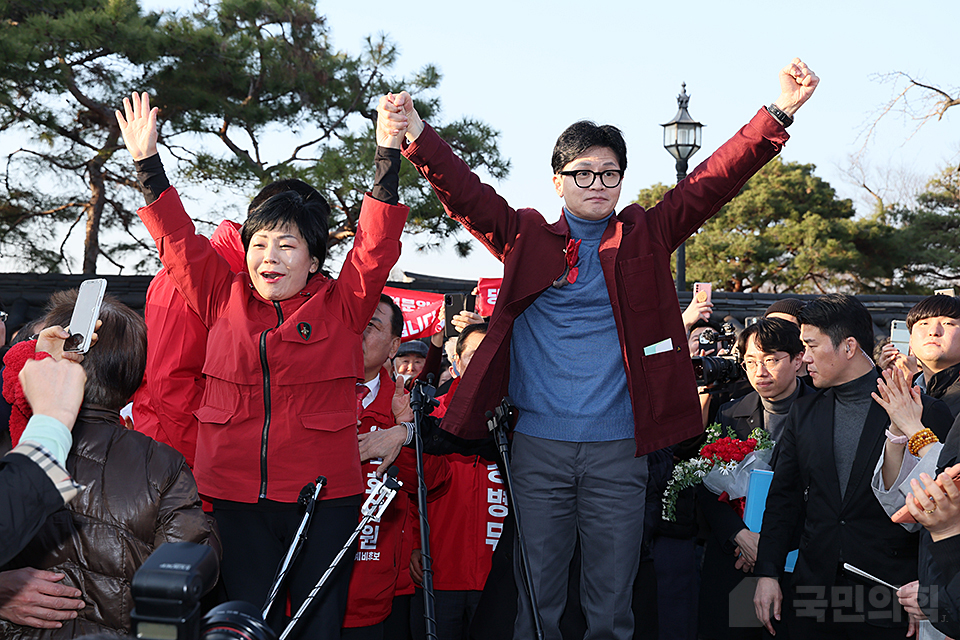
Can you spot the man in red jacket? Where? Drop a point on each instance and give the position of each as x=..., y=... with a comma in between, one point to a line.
x=594, y=287
x=379, y=558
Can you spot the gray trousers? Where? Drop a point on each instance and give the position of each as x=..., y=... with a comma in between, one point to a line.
x=596, y=489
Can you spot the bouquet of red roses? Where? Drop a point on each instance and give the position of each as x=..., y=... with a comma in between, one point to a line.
x=723, y=466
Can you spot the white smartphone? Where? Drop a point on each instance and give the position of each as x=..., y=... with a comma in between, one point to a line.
x=86, y=312
x=900, y=336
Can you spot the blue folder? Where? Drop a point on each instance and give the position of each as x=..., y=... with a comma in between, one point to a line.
x=756, y=502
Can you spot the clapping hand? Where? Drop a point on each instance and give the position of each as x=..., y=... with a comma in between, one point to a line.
x=901, y=402
x=937, y=510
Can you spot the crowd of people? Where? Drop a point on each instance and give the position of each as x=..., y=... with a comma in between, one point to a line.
x=253, y=372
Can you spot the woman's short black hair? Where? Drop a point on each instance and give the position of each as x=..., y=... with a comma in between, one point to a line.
x=115, y=364
x=935, y=306
x=289, y=208
x=584, y=135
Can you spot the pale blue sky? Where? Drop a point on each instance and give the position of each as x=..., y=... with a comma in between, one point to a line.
x=530, y=69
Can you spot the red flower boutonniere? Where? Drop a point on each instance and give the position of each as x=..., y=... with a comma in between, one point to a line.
x=572, y=257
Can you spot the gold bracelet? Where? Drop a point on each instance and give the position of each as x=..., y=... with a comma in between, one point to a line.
x=919, y=440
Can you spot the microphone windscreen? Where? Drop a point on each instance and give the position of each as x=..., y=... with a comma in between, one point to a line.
x=393, y=471
x=306, y=493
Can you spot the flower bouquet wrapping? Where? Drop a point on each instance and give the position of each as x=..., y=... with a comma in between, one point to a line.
x=723, y=466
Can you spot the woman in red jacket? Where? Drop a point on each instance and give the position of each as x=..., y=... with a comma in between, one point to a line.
x=283, y=359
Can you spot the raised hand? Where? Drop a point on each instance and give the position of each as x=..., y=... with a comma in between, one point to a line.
x=797, y=84
x=401, y=402
x=391, y=123
x=51, y=340
x=54, y=388
x=901, y=402
x=696, y=311
x=399, y=115
x=138, y=124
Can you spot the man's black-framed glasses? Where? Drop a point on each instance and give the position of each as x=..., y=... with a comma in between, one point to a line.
x=584, y=178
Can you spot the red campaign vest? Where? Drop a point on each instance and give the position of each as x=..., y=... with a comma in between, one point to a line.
x=380, y=560
x=466, y=523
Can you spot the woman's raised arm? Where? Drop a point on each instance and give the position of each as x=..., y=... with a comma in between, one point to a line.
x=138, y=124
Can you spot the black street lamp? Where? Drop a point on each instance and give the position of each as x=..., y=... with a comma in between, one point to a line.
x=681, y=138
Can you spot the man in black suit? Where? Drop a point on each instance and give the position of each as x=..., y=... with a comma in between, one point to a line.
x=772, y=356
x=825, y=460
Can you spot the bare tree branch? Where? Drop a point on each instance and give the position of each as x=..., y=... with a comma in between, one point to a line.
x=934, y=100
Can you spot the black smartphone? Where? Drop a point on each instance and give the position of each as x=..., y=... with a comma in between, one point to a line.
x=86, y=312
x=454, y=303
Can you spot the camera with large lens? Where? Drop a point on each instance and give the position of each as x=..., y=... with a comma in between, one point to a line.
x=718, y=341
x=167, y=590
x=716, y=370
x=719, y=369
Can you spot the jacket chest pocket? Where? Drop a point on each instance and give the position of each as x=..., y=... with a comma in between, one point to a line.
x=305, y=352
x=639, y=282
x=220, y=402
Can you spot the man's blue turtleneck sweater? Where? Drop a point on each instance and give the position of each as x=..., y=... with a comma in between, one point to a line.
x=566, y=367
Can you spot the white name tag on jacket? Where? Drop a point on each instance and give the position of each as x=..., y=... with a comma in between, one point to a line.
x=659, y=347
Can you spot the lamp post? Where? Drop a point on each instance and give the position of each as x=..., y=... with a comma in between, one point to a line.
x=681, y=139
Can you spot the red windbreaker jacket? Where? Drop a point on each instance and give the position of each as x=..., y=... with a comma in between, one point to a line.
x=380, y=554
x=279, y=407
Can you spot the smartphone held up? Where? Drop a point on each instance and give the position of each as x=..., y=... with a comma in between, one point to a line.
x=86, y=312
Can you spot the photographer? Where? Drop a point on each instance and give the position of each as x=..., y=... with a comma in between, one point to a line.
x=33, y=482
x=772, y=355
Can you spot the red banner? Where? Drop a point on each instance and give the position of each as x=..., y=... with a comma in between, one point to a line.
x=420, y=311
x=487, y=290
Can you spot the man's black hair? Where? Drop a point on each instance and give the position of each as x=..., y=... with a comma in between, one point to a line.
x=469, y=330
x=308, y=216
x=115, y=363
x=840, y=316
x=396, y=316
x=584, y=135
x=772, y=334
x=934, y=306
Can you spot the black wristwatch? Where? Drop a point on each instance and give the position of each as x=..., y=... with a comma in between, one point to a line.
x=782, y=117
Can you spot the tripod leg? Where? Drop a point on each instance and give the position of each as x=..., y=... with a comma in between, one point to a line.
x=332, y=526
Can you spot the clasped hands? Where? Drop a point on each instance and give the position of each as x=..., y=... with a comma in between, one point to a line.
x=396, y=117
